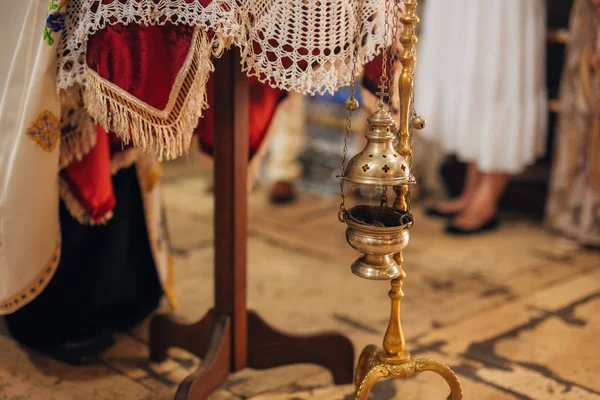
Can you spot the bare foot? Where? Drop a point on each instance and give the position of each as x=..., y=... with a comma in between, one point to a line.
x=458, y=204
x=453, y=206
x=480, y=210
x=484, y=204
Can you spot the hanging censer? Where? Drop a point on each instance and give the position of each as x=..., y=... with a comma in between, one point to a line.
x=380, y=232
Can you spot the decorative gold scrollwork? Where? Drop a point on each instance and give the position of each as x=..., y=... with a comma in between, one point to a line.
x=370, y=370
x=364, y=363
x=428, y=364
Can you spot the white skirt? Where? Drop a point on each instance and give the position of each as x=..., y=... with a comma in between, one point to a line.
x=480, y=80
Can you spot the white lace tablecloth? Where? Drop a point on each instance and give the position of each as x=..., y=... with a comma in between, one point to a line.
x=301, y=45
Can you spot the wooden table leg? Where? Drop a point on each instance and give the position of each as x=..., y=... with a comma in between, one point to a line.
x=214, y=368
x=231, y=199
x=268, y=348
x=229, y=325
x=230, y=175
x=167, y=331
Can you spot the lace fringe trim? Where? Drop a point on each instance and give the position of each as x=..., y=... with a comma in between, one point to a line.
x=78, y=130
x=165, y=133
x=279, y=27
x=74, y=148
x=76, y=209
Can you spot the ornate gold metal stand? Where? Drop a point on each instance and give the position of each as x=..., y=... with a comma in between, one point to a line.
x=372, y=230
x=393, y=361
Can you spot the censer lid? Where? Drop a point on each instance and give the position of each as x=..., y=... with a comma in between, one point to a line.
x=382, y=119
x=381, y=168
x=379, y=163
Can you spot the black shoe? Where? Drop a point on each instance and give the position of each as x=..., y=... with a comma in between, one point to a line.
x=283, y=193
x=434, y=212
x=83, y=351
x=490, y=225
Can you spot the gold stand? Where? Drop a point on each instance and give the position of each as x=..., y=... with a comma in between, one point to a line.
x=393, y=361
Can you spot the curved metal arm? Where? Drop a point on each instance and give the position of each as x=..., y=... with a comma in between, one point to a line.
x=427, y=364
x=367, y=377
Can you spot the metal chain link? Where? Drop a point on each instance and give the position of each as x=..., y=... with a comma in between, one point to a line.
x=384, y=80
x=385, y=88
x=351, y=104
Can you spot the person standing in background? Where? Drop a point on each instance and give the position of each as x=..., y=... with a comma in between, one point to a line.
x=283, y=166
x=574, y=202
x=481, y=84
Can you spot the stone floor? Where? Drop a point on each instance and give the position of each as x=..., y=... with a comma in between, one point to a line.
x=516, y=312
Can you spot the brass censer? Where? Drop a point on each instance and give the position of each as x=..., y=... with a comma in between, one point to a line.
x=381, y=232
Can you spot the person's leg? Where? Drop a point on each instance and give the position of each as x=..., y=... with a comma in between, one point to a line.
x=283, y=166
x=483, y=206
x=458, y=204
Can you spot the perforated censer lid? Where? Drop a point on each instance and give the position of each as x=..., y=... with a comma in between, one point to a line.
x=379, y=163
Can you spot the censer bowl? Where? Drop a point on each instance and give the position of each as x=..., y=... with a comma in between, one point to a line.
x=378, y=233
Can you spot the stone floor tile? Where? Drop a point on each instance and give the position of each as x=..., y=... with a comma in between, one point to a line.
x=190, y=165
x=503, y=318
x=188, y=232
x=128, y=356
x=512, y=311
x=570, y=333
x=223, y=395
x=327, y=393
x=531, y=384
x=249, y=382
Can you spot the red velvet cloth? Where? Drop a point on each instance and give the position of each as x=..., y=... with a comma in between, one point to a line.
x=90, y=180
x=144, y=61
x=263, y=101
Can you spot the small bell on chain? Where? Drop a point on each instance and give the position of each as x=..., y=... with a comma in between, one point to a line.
x=418, y=123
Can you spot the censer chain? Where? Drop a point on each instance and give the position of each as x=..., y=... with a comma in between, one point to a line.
x=351, y=104
x=383, y=79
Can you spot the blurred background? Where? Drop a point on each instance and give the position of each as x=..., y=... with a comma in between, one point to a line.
x=509, y=299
